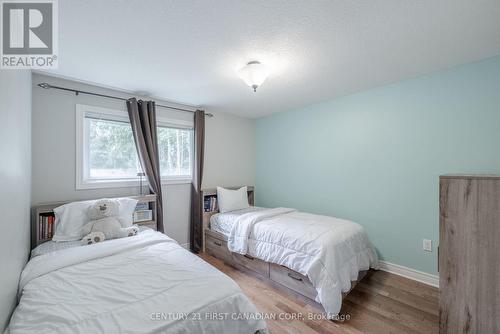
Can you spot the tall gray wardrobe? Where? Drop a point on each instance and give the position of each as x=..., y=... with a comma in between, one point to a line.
x=469, y=254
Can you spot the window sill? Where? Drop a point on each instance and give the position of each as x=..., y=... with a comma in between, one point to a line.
x=100, y=184
x=176, y=181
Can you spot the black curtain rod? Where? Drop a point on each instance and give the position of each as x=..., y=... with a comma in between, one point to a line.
x=76, y=91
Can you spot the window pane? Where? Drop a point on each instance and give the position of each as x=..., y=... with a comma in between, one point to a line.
x=175, y=151
x=111, y=149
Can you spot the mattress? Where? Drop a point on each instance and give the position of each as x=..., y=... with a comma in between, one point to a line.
x=223, y=222
x=146, y=283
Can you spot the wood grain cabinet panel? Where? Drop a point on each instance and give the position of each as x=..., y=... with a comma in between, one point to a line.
x=292, y=280
x=469, y=254
x=217, y=248
x=251, y=263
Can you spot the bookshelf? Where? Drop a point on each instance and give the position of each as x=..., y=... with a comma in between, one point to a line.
x=41, y=213
x=212, y=193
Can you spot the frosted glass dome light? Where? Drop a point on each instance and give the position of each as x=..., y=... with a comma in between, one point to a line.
x=254, y=74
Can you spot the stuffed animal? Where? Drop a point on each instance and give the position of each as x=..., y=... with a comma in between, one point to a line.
x=105, y=223
x=92, y=238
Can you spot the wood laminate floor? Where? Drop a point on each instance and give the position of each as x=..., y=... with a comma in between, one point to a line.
x=380, y=303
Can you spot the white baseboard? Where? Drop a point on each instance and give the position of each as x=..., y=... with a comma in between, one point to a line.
x=186, y=245
x=413, y=274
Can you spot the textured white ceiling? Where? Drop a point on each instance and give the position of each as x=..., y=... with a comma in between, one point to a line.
x=189, y=51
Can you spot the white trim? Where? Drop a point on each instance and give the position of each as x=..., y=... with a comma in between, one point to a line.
x=127, y=183
x=174, y=123
x=99, y=184
x=173, y=180
x=80, y=113
x=412, y=274
x=106, y=113
x=186, y=245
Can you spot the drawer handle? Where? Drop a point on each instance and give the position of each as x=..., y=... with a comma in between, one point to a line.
x=249, y=257
x=218, y=243
x=294, y=277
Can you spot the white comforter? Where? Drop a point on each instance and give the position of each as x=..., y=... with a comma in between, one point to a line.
x=142, y=284
x=330, y=251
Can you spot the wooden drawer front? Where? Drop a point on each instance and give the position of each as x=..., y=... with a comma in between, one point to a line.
x=292, y=280
x=251, y=263
x=217, y=248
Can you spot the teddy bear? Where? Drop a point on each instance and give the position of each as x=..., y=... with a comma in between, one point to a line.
x=105, y=223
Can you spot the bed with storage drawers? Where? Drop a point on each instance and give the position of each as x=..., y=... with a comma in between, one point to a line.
x=317, y=257
x=216, y=245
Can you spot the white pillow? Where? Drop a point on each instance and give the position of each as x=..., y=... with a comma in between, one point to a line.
x=71, y=217
x=230, y=200
x=127, y=208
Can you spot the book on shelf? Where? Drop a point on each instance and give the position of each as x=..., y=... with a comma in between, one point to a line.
x=46, y=227
x=210, y=204
x=142, y=206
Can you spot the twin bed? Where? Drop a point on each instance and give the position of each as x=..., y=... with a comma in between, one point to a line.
x=141, y=284
x=319, y=257
x=147, y=283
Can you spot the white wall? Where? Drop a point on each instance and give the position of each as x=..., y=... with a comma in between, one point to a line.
x=229, y=152
x=15, y=183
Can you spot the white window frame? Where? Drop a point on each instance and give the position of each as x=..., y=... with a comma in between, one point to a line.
x=179, y=124
x=118, y=115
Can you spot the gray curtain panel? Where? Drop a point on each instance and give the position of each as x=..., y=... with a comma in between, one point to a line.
x=196, y=226
x=142, y=116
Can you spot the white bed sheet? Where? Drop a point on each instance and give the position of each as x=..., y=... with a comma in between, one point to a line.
x=141, y=284
x=223, y=222
x=53, y=246
x=329, y=251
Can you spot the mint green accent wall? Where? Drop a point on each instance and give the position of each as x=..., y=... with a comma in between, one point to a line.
x=375, y=157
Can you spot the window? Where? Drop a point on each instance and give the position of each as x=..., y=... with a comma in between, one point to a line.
x=110, y=150
x=107, y=156
x=174, y=146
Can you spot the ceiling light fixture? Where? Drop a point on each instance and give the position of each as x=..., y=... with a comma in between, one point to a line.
x=254, y=74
